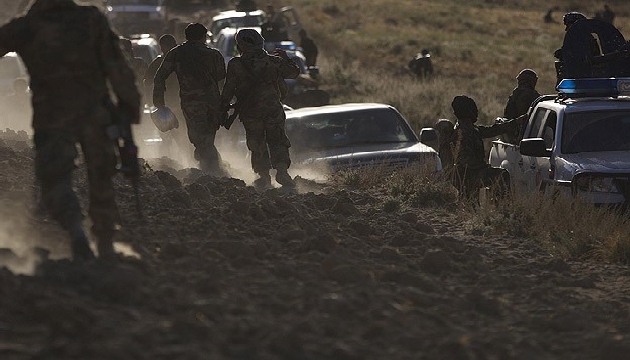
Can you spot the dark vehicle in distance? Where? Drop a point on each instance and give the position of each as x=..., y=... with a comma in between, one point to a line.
x=136, y=16
x=356, y=135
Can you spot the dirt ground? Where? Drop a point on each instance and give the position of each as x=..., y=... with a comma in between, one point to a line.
x=219, y=270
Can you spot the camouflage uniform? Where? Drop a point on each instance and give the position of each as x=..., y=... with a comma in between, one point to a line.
x=171, y=99
x=71, y=53
x=199, y=70
x=519, y=102
x=256, y=79
x=471, y=170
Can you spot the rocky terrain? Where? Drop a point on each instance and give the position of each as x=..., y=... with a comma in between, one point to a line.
x=218, y=270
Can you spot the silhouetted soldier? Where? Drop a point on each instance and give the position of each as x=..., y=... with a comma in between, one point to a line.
x=275, y=28
x=171, y=96
x=71, y=55
x=471, y=170
x=137, y=64
x=568, y=19
x=309, y=49
x=256, y=78
x=421, y=65
x=167, y=42
x=199, y=70
x=522, y=97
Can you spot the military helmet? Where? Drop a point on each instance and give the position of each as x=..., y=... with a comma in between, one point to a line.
x=527, y=74
x=249, y=37
x=571, y=17
x=164, y=119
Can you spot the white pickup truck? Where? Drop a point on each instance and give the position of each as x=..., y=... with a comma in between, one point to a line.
x=576, y=143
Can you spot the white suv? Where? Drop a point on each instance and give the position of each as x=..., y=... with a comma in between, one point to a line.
x=576, y=143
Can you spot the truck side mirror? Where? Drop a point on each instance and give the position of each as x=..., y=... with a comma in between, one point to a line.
x=429, y=136
x=534, y=147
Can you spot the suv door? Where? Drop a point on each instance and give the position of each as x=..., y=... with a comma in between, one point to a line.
x=535, y=170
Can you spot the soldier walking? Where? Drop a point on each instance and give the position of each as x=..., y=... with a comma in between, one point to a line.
x=199, y=70
x=179, y=136
x=71, y=54
x=256, y=78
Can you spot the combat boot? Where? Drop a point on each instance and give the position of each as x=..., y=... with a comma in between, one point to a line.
x=81, y=248
x=263, y=182
x=105, y=248
x=282, y=175
x=79, y=242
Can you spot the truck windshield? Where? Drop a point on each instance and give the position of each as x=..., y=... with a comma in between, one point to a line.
x=596, y=131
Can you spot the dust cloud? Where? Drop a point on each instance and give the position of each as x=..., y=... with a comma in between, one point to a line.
x=16, y=250
x=161, y=152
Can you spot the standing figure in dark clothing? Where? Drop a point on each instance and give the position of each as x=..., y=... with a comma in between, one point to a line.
x=137, y=64
x=471, y=170
x=199, y=70
x=178, y=136
x=520, y=100
x=568, y=20
x=308, y=48
x=72, y=55
x=167, y=42
x=421, y=65
x=256, y=79
x=275, y=28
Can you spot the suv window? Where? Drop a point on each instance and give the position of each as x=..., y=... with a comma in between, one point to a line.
x=537, y=124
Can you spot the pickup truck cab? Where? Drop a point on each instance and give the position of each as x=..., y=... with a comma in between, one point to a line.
x=576, y=143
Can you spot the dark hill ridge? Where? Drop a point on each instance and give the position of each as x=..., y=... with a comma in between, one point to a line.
x=226, y=272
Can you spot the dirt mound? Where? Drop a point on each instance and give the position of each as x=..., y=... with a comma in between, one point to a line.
x=224, y=271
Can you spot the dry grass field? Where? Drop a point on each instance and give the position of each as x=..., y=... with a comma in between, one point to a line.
x=477, y=47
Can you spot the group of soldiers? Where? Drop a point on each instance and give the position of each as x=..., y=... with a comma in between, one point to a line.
x=76, y=63
x=461, y=146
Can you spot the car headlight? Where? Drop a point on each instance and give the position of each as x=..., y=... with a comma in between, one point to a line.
x=596, y=184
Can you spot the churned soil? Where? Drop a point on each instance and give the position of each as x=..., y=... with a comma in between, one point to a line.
x=216, y=269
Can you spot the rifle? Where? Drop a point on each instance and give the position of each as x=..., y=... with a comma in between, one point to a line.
x=120, y=133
